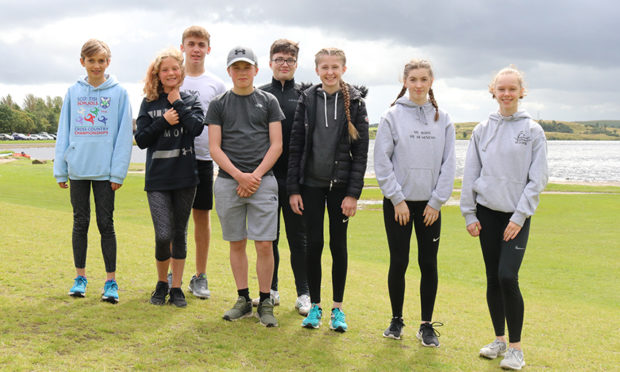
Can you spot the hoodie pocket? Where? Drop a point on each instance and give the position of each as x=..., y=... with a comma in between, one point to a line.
x=89, y=159
x=500, y=194
x=417, y=183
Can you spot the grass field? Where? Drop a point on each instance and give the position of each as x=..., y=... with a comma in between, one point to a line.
x=570, y=280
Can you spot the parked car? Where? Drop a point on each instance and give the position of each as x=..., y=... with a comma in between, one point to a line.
x=20, y=136
x=5, y=137
x=45, y=136
x=35, y=137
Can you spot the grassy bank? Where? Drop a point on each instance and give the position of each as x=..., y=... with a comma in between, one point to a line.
x=570, y=280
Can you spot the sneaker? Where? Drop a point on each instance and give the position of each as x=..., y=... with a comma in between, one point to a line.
x=303, y=304
x=395, y=330
x=313, y=320
x=428, y=335
x=513, y=359
x=241, y=309
x=265, y=313
x=110, y=291
x=79, y=287
x=158, y=297
x=199, y=286
x=493, y=350
x=177, y=297
x=274, y=295
x=337, y=322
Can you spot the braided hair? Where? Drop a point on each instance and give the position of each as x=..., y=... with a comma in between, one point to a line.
x=353, y=133
x=412, y=65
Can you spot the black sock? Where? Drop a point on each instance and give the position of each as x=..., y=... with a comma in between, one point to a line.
x=245, y=293
x=264, y=296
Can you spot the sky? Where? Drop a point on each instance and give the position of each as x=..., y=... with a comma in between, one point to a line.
x=568, y=50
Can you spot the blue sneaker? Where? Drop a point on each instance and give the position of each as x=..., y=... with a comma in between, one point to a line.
x=313, y=320
x=79, y=287
x=110, y=291
x=337, y=322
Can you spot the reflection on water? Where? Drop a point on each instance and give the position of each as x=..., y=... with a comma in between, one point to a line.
x=591, y=161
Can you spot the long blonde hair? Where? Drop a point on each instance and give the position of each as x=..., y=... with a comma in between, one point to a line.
x=152, y=86
x=353, y=133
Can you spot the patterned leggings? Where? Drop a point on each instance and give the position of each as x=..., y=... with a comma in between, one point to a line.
x=170, y=213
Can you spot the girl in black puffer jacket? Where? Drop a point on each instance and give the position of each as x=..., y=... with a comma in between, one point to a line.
x=327, y=162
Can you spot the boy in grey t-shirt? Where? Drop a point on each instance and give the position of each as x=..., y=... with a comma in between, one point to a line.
x=245, y=140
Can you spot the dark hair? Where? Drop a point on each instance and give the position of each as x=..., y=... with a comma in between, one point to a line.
x=284, y=46
x=412, y=65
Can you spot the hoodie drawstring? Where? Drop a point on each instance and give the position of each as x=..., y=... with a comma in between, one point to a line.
x=325, y=107
x=499, y=122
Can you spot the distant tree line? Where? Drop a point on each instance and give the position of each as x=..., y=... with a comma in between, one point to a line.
x=554, y=126
x=597, y=128
x=34, y=116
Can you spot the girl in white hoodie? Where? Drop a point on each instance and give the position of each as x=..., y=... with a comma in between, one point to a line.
x=505, y=172
x=414, y=165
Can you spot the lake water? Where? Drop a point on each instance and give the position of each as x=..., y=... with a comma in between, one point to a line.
x=579, y=161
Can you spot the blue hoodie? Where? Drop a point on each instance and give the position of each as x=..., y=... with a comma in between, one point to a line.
x=94, y=133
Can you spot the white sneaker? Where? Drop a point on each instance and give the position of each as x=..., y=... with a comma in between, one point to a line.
x=513, y=359
x=303, y=304
x=275, y=297
x=493, y=350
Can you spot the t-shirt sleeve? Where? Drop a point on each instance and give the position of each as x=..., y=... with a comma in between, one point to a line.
x=214, y=113
x=275, y=112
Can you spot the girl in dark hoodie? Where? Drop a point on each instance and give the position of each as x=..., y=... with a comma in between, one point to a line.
x=327, y=162
x=167, y=124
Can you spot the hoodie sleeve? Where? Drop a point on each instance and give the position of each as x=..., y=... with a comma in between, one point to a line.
x=384, y=168
x=123, y=142
x=473, y=166
x=296, y=147
x=61, y=172
x=359, y=151
x=445, y=182
x=148, y=130
x=191, y=115
x=537, y=180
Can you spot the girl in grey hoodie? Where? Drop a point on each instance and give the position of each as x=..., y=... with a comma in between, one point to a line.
x=505, y=172
x=414, y=165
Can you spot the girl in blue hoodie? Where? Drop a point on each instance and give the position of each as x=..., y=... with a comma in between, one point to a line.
x=167, y=124
x=93, y=149
x=505, y=172
x=414, y=165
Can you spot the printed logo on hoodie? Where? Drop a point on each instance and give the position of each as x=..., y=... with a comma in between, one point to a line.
x=523, y=138
x=92, y=118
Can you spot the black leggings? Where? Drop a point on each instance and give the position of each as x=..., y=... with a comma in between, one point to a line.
x=104, y=210
x=170, y=213
x=296, y=236
x=502, y=261
x=314, y=199
x=399, y=238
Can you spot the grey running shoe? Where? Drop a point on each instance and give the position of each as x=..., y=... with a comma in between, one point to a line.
x=265, y=313
x=241, y=309
x=493, y=350
x=199, y=286
x=303, y=304
x=395, y=330
x=513, y=359
x=158, y=297
x=177, y=297
x=428, y=335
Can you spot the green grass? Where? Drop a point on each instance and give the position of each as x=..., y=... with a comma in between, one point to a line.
x=569, y=278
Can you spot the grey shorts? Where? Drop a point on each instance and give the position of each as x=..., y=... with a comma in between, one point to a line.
x=255, y=218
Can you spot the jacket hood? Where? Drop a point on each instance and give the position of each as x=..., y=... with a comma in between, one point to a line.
x=405, y=101
x=496, y=120
x=519, y=115
x=423, y=110
x=109, y=82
